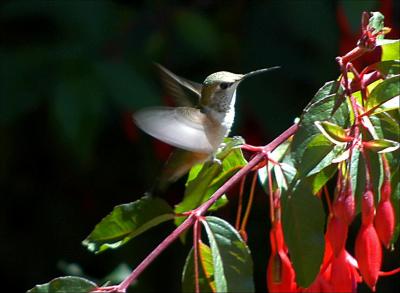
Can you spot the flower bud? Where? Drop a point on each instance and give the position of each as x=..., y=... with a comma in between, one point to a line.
x=336, y=234
x=344, y=206
x=367, y=207
x=368, y=254
x=342, y=278
x=385, y=222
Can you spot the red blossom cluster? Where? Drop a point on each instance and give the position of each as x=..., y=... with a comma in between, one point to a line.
x=339, y=271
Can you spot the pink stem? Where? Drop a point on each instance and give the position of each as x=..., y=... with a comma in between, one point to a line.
x=198, y=212
x=196, y=239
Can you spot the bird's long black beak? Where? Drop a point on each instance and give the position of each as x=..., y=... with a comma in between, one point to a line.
x=255, y=72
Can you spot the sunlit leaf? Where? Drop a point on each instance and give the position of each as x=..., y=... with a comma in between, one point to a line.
x=65, y=285
x=126, y=221
x=304, y=230
x=206, y=271
x=322, y=177
x=284, y=172
x=381, y=145
x=309, y=147
x=383, y=92
x=391, y=50
x=233, y=266
x=387, y=68
x=333, y=132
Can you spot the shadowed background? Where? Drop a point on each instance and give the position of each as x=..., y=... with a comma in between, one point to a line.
x=71, y=74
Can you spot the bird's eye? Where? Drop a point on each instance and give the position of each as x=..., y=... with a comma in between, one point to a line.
x=224, y=85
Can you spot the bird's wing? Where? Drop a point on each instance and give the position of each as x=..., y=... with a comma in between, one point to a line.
x=182, y=127
x=183, y=91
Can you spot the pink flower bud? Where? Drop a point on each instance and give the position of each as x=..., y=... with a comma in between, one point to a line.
x=336, y=234
x=385, y=221
x=368, y=254
x=367, y=207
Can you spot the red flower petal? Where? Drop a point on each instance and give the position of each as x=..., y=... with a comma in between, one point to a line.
x=385, y=222
x=337, y=234
x=368, y=254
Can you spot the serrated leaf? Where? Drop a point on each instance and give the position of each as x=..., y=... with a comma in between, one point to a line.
x=381, y=145
x=304, y=231
x=65, y=285
x=333, y=132
x=391, y=50
x=126, y=221
x=385, y=91
x=204, y=179
x=233, y=266
x=206, y=271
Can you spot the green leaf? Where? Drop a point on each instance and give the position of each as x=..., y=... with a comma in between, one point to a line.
x=206, y=271
x=383, y=92
x=65, y=285
x=309, y=147
x=391, y=50
x=233, y=266
x=304, y=230
x=204, y=179
x=126, y=221
x=387, y=126
x=284, y=173
x=386, y=68
x=315, y=151
x=333, y=132
x=381, y=145
x=322, y=177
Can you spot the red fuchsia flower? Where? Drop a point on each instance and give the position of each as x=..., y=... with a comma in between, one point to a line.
x=337, y=274
x=384, y=222
x=344, y=274
x=344, y=206
x=385, y=218
x=280, y=272
x=368, y=247
x=336, y=234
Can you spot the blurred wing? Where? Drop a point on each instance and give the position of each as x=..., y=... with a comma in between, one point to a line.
x=183, y=91
x=182, y=127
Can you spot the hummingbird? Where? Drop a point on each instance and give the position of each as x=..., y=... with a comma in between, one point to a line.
x=198, y=125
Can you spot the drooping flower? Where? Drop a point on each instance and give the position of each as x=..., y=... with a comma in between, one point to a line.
x=385, y=217
x=368, y=254
x=280, y=272
x=336, y=234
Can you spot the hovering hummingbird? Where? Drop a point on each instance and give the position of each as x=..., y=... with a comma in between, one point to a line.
x=198, y=126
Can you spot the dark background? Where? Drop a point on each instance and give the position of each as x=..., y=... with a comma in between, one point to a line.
x=71, y=74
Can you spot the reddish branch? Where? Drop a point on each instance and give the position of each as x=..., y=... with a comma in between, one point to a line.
x=200, y=211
